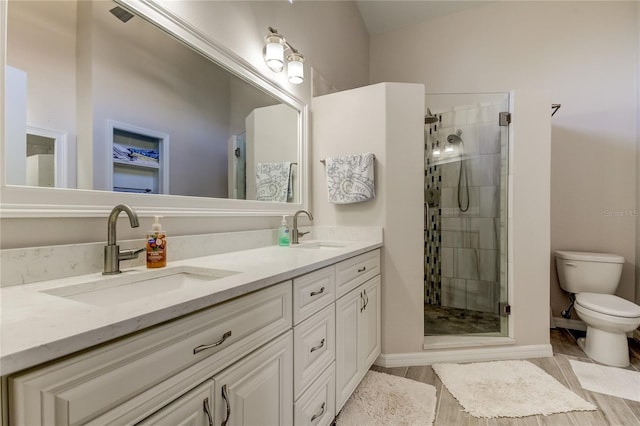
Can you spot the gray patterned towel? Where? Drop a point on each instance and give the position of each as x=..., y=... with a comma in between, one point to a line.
x=273, y=182
x=350, y=178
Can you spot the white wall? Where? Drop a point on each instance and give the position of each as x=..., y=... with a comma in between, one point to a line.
x=333, y=39
x=586, y=54
x=272, y=134
x=49, y=39
x=385, y=119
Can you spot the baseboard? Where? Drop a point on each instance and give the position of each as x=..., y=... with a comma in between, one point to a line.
x=561, y=322
x=464, y=355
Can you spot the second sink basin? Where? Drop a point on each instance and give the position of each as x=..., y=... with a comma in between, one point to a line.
x=320, y=245
x=126, y=288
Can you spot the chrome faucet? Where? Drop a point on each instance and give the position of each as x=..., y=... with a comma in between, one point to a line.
x=295, y=234
x=112, y=253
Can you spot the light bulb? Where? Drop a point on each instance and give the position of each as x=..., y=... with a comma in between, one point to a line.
x=274, y=52
x=295, y=68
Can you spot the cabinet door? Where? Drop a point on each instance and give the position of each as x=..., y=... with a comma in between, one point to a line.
x=195, y=408
x=258, y=389
x=369, y=325
x=348, y=309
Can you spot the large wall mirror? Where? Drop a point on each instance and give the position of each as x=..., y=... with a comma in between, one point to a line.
x=125, y=101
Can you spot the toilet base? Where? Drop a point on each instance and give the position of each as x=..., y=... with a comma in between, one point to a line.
x=606, y=347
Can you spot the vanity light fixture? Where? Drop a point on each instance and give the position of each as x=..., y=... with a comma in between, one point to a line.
x=274, y=55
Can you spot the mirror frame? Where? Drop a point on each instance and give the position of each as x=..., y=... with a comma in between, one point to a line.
x=24, y=202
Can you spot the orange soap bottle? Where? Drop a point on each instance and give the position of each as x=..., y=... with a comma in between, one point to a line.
x=156, y=246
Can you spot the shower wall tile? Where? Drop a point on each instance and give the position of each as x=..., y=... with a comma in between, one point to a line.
x=488, y=265
x=459, y=116
x=473, y=115
x=447, y=119
x=454, y=293
x=470, y=139
x=450, y=174
x=466, y=263
x=449, y=200
x=486, y=230
x=447, y=262
x=484, y=170
x=489, y=202
x=453, y=224
x=489, y=138
x=482, y=296
x=470, y=239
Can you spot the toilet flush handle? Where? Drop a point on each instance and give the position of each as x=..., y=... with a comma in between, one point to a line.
x=570, y=264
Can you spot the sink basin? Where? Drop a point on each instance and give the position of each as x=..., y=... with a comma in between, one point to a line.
x=126, y=288
x=320, y=245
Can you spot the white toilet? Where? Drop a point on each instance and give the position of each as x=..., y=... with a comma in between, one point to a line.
x=593, y=278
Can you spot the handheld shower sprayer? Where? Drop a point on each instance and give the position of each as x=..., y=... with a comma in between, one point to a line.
x=456, y=139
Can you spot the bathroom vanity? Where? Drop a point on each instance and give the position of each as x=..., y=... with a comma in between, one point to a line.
x=283, y=337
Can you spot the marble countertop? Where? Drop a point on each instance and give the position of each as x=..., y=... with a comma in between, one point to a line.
x=37, y=326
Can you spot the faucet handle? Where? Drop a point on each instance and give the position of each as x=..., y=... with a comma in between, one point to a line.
x=129, y=254
x=301, y=233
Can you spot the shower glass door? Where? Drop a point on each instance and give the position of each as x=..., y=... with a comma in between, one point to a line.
x=465, y=214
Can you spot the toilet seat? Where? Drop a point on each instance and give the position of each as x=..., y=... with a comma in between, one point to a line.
x=608, y=304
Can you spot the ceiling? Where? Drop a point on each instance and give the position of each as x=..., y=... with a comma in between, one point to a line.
x=380, y=16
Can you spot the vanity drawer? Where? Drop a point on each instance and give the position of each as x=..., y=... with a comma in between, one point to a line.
x=312, y=292
x=352, y=272
x=76, y=390
x=317, y=405
x=313, y=348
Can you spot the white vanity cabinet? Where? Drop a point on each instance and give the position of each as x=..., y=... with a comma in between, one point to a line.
x=291, y=353
x=257, y=390
x=128, y=380
x=192, y=409
x=357, y=328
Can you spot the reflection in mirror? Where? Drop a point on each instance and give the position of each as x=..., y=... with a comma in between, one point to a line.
x=137, y=110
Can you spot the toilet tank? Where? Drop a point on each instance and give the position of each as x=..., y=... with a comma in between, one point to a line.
x=580, y=272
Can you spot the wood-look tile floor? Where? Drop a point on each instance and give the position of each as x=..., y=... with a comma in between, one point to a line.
x=611, y=410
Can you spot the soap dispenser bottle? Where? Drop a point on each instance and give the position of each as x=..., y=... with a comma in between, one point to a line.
x=156, y=246
x=283, y=233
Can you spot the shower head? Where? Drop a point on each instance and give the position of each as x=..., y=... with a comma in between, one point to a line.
x=430, y=118
x=121, y=14
x=455, y=139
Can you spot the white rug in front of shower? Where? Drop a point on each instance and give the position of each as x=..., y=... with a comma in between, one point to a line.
x=612, y=381
x=508, y=389
x=382, y=399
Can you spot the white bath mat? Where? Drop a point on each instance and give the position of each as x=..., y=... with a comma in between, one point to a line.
x=612, y=381
x=508, y=389
x=382, y=400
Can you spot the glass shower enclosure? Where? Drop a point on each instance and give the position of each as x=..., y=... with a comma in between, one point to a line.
x=465, y=214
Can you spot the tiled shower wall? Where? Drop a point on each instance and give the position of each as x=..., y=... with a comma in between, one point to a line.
x=465, y=246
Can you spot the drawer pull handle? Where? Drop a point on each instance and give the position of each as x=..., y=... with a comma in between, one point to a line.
x=315, y=348
x=316, y=416
x=315, y=293
x=207, y=411
x=363, y=305
x=364, y=268
x=366, y=299
x=225, y=396
x=201, y=348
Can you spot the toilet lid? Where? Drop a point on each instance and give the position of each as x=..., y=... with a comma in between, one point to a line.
x=608, y=304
